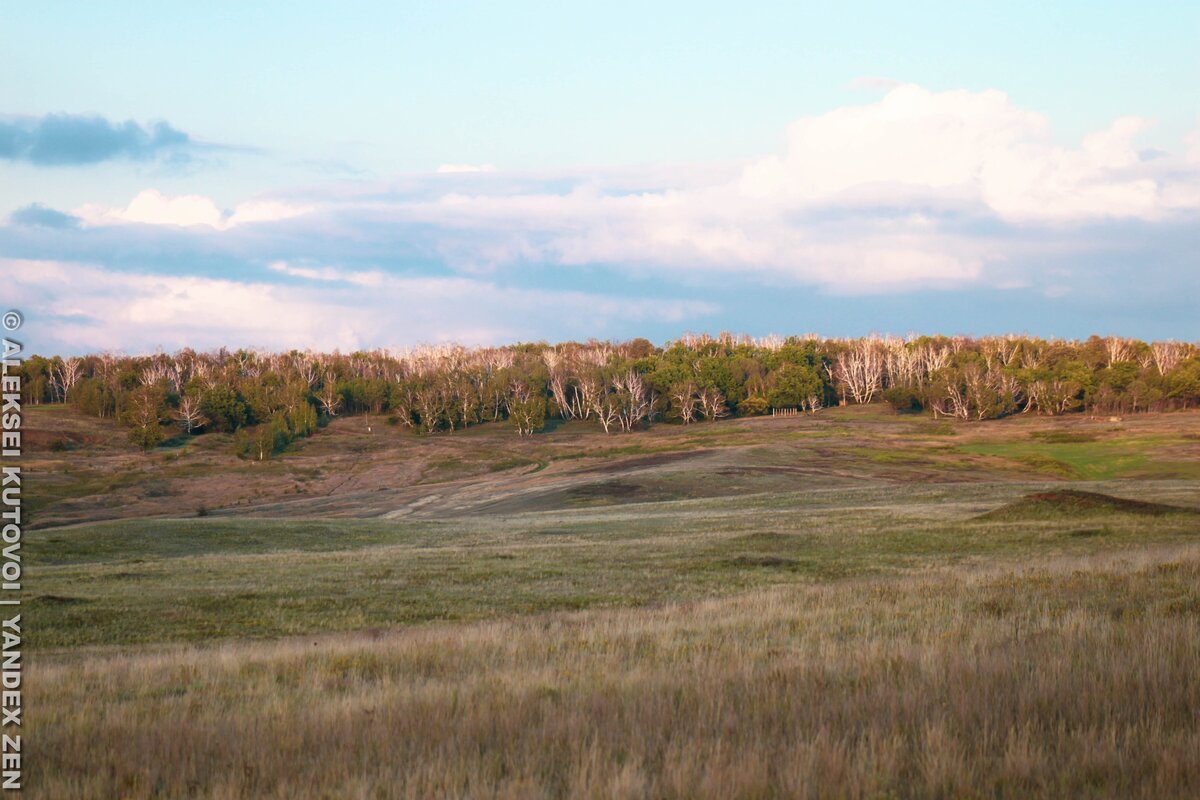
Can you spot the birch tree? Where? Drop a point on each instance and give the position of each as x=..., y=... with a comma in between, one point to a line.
x=189, y=415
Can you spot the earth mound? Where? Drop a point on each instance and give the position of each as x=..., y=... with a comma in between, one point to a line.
x=1067, y=502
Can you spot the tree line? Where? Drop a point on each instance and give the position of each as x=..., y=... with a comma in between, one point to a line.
x=268, y=400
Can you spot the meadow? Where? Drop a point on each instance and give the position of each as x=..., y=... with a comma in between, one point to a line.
x=855, y=603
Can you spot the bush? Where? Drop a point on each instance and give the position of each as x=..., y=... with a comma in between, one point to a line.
x=753, y=406
x=146, y=437
x=904, y=400
x=263, y=441
x=224, y=407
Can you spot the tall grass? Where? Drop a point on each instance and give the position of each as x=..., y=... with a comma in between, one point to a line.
x=1077, y=678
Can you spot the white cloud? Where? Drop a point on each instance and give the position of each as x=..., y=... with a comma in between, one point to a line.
x=892, y=174
x=152, y=207
x=965, y=144
x=264, y=211
x=333, y=274
x=917, y=189
x=92, y=308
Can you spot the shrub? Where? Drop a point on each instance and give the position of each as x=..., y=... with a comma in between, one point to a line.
x=146, y=437
x=753, y=406
x=903, y=399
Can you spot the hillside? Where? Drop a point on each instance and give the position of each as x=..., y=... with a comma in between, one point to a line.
x=714, y=610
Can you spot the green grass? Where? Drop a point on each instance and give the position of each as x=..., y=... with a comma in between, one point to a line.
x=934, y=428
x=71, y=483
x=1091, y=460
x=146, y=581
x=1074, y=503
x=752, y=609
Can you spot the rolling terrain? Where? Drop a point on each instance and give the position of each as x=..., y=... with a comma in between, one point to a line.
x=852, y=603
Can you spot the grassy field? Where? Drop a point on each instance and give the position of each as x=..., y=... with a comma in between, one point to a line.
x=851, y=604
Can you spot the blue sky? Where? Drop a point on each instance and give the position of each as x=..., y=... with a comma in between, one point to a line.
x=368, y=175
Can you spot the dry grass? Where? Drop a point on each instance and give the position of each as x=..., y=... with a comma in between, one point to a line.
x=1076, y=678
x=344, y=471
x=811, y=607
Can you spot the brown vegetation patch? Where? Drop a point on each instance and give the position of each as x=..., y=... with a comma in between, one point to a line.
x=761, y=561
x=1063, y=437
x=1088, y=533
x=60, y=599
x=604, y=491
x=641, y=462
x=764, y=470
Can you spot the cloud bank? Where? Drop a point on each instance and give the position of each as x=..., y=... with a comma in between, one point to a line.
x=961, y=194
x=88, y=308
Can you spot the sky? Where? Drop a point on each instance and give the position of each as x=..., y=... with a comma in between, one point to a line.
x=368, y=175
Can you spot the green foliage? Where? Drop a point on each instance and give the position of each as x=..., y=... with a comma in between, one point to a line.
x=302, y=421
x=527, y=414
x=92, y=396
x=364, y=394
x=272, y=437
x=793, y=384
x=753, y=406
x=444, y=390
x=224, y=407
x=1183, y=383
x=143, y=410
x=147, y=437
x=904, y=399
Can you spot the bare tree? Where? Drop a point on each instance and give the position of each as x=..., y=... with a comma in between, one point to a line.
x=588, y=388
x=1063, y=395
x=309, y=371
x=712, y=404
x=207, y=374
x=1166, y=355
x=635, y=401
x=685, y=397
x=329, y=397
x=65, y=375
x=559, y=381
x=155, y=372
x=606, y=405
x=933, y=358
x=188, y=415
x=860, y=369
x=431, y=405
x=1118, y=349
x=953, y=401
x=904, y=366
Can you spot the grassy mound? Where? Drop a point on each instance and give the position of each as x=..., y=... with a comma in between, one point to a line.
x=1068, y=502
